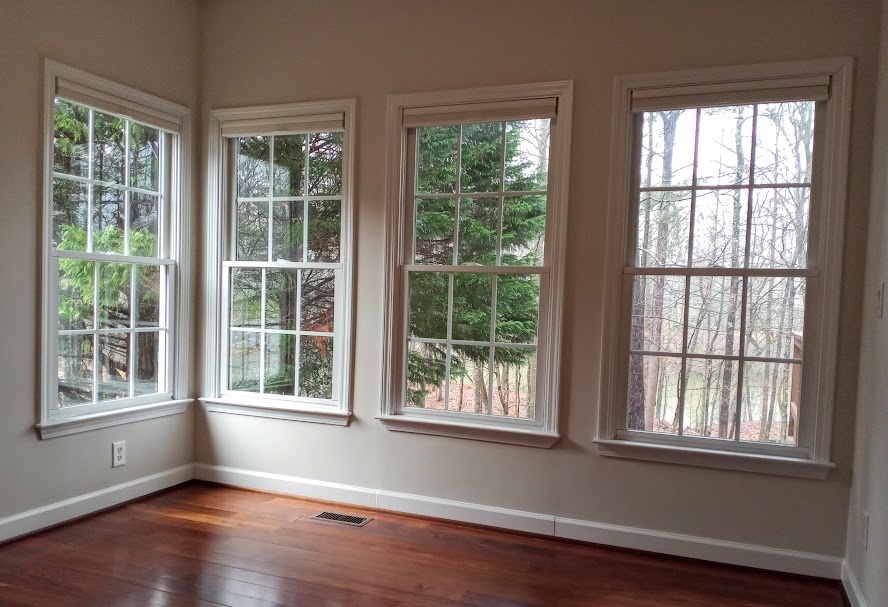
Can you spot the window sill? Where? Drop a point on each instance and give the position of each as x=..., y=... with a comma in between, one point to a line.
x=747, y=462
x=106, y=419
x=509, y=436
x=315, y=415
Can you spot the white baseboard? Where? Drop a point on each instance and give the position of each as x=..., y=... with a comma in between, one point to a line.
x=46, y=516
x=290, y=485
x=732, y=553
x=852, y=588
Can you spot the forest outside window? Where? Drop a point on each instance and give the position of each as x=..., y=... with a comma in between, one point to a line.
x=111, y=256
x=284, y=273
x=723, y=275
x=476, y=271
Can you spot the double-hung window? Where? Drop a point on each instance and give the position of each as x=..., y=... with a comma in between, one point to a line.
x=281, y=249
x=478, y=205
x=730, y=256
x=112, y=219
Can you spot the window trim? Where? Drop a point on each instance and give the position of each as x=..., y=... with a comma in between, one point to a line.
x=508, y=101
x=814, y=461
x=273, y=119
x=107, y=95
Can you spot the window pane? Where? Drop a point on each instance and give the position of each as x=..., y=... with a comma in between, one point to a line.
x=653, y=393
x=280, y=299
x=324, y=230
x=75, y=367
x=770, y=406
x=144, y=157
x=69, y=215
x=784, y=142
x=246, y=297
x=524, y=231
x=527, y=155
x=253, y=160
x=667, y=154
x=780, y=223
x=318, y=300
x=280, y=364
x=482, y=148
x=109, y=147
x=143, y=224
x=148, y=296
x=663, y=229
x=478, y=222
x=115, y=284
x=725, y=145
x=428, y=304
x=244, y=361
x=720, y=228
x=517, y=308
x=148, y=348
x=76, y=294
x=711, y=398
x=289, y=165
x=514, y=382
x=71, y=139
x=114, y=358
x=472, y=298
x=436, y=160
x=434, y=231
x=109, y=217
x=325, y=164
x=469, y=376
x=426, y=368
x=252, y=231
x=316, y=366
x=714, y=315
x=658, y=313
x=288, y=231
x=775, y=317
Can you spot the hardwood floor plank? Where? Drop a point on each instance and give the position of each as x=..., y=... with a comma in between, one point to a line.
x=205, y=545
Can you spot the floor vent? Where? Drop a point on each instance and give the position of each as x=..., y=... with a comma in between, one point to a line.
x=344, y=519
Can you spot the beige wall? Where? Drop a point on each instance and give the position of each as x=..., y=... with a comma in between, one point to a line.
x=148, y=45
x=869, y=492
x=281, y=51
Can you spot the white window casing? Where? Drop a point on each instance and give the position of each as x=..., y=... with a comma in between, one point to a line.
x=407, y=113
x=226, y=127
x=172, y=195
x=828, y=84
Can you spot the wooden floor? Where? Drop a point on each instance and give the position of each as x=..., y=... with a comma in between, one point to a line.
x=201, y=544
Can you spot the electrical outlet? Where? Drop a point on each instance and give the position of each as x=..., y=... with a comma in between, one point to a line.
x=118, y=454
x=865, y=531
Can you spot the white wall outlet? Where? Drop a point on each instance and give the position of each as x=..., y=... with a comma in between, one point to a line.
x=865, y=531
x=118, y=453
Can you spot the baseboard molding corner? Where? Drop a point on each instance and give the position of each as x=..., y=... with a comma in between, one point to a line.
x=288, y=485
x=852, y=588
x=27, y=522
x=707, y=549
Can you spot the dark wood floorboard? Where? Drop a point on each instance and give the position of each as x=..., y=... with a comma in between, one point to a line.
x=201, y=545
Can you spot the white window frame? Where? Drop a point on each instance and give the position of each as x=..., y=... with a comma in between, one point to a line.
x=466, y=106
x=811, y=458
x=224, y=124
x=107, y=96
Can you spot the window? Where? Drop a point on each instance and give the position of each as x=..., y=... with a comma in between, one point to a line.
x=730, y=259
x=112, y=218
x=284, y=262
x=477, y=247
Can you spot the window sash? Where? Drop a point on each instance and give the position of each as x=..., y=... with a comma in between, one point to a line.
x=709, y=96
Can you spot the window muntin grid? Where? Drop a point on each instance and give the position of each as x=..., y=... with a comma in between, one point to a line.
x=284, y=282
x=108, y=252
x=475, y=231
x=758, y=257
